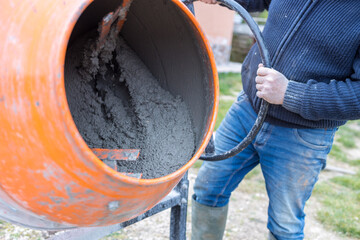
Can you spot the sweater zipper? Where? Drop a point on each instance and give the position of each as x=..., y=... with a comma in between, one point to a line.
x=292, y=30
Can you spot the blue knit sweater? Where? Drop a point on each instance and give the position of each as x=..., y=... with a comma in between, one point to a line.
x=316, y=45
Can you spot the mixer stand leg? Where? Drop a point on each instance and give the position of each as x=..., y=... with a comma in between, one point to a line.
x=179, y=212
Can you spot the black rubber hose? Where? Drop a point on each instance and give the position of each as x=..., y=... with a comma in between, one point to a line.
x=265, y=57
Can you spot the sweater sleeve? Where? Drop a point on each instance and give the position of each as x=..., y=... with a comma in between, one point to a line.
x=255, y=5
x=337, y=100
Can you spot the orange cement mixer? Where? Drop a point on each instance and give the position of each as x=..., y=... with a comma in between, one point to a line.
x=50, y=178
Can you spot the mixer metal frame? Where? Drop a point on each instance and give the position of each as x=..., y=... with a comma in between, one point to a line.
x=177, y=200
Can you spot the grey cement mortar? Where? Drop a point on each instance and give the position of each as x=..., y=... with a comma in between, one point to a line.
x=116, y=103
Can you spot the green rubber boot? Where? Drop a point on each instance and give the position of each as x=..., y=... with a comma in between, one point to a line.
x=207, y=223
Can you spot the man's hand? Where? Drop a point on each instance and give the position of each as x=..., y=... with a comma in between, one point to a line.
x=271, y=85
x=208, y=1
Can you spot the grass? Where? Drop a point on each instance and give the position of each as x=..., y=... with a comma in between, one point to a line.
x=350, y=182
x=338, y=154
x=346, y=138
x=115, y=236
x=224, y=106
x=347, y=135
x=197, y=164
x=264, y=14
x=340, y=198
x=253, y=173
x=230, y=84
x=1, y=227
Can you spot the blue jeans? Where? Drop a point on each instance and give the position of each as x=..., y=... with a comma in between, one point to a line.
x=290, y=159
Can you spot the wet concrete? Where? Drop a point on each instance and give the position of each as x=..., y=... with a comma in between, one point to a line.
x=116, y=103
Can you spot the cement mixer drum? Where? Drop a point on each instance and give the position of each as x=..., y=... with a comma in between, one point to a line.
x=50, y=176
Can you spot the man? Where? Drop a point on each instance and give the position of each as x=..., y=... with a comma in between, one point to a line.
x=313, y=88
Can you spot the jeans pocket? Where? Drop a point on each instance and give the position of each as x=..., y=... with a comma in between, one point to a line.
x=317, y=139
x=242, y=97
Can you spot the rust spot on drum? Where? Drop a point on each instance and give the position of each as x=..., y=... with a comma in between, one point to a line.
x=72, y=195
x=57, y=200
